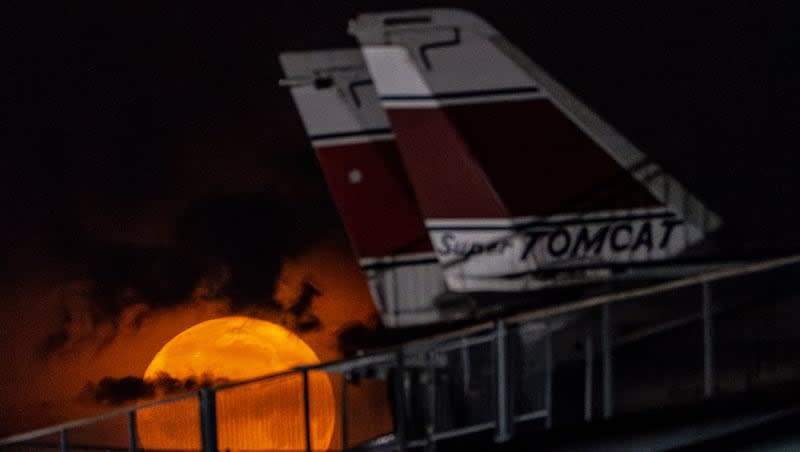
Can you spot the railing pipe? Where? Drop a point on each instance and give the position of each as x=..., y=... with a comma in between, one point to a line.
x=608, y=371
x=306, y=411
x=708, y=343
x=400, y=400
x=62, y=440
x=548, y=382
x=343, y=409
x=430, y=418
x=133, y=438
x=588, y=374
x=504, y=419
x=208, y=420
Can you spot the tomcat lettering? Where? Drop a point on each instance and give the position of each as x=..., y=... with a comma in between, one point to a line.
x=612, y=240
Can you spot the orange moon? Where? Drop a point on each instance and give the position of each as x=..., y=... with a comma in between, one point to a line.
x=266, y=415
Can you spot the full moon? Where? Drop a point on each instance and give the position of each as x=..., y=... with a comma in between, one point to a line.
x=266, y=415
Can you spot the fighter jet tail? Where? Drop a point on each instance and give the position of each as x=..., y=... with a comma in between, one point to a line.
x=356, y=150
x=520, y=184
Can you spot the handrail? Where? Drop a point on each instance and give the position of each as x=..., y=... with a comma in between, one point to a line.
x=83, y=422
x=247, y=381
x=583, y=303
x=386, y=355
x=599, y=300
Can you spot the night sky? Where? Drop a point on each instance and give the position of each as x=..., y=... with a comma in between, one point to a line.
x=147, y=145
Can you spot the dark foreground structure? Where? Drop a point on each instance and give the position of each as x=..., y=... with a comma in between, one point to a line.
x=710, y=360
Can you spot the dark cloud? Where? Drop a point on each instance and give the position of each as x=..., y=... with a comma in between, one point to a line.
x=101, y=314
x=353, y=337
x=118, y=391
x=250, y=234
x=297, y=314
x=304, y=299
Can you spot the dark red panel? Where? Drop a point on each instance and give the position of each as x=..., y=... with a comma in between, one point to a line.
x=461, y=159
x=447, y=180
x=379, y=212
x=541, y=163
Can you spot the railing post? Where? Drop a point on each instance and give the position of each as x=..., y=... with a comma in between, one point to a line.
x=133, y=439
x=465, y=359
x=208, y=419
x=343, y=411
x=400, y=401
x=306, y=410
x=708, y=343
x=548, y=382
x=62, y=440
x=430, y=421
x=504, y=420
x=608, y=374
x=588, y=374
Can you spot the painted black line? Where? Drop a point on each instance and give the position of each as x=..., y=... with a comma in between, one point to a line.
x=354, y=133
x=549, y=272
x=423, y=49
x=533, y=224
x=409, y=263
x=466, y=94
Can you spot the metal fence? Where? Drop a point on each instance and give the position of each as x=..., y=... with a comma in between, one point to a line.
x=673, y=343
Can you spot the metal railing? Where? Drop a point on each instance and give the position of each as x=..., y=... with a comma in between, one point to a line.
x=677, y=342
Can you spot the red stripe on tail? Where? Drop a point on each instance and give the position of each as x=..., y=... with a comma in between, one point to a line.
x=372, y=193
x=490, y=160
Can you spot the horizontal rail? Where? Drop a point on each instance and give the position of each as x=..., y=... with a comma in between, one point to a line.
x=345, y=365
x=539, y=414
x=83, y=422
x=582, y=304
x=386, y=356
x=273, y=376
x=462, y=431
x=430, y=341
x=662, y=327
x=585, y=303
x=465, y=343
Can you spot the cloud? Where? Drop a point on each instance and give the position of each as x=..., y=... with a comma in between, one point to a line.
x=119, y=391
x=296, y=314
x=228, y=248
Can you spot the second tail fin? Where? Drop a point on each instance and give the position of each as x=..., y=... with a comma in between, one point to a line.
x=356, y=150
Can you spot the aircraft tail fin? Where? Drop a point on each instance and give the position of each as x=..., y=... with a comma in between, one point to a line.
x=356, y=150
x=516, y=178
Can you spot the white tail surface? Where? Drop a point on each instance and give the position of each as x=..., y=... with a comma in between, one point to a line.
x=520, y=184
x=356, y=150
